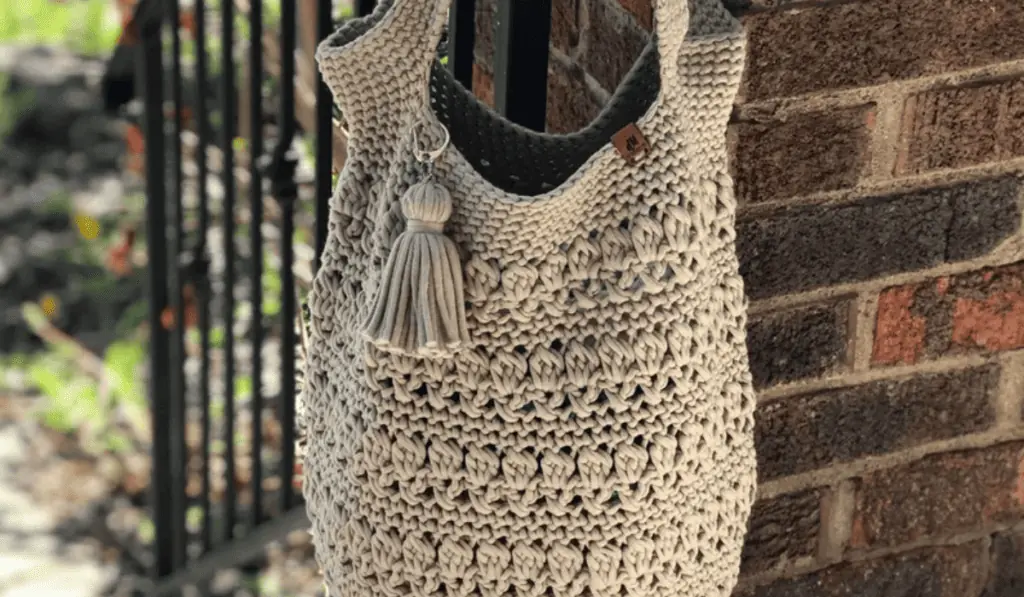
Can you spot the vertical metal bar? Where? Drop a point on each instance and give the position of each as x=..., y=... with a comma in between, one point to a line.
x=461, y=37
x=256, y=248
x=200, y=272
x=288, y=40
x=177, y=353
x=365, y=7
x=150, y=74
x=287, y=356
x=286, y=192
x=228, y=123
x=324, y=140
x=521, y=61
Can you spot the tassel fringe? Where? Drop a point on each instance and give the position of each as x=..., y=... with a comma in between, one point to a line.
x=420, y=309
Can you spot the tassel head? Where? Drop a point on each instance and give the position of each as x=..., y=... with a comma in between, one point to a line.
x=419, y=309
x=427, y=206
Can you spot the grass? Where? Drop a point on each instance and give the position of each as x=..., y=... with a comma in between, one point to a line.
x=86, y=26
x=84, y=394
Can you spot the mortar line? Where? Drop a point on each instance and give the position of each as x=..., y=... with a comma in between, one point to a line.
x=871, y=464
x=893, y=373
x=998, y=258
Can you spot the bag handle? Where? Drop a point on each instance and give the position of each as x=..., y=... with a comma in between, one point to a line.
x=671, y=20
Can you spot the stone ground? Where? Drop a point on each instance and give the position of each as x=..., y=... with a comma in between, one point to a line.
x=35, y=559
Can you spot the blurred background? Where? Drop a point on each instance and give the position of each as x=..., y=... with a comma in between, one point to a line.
x=76, y=479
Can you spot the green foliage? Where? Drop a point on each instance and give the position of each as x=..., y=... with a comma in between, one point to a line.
x=123, y=361
x=146, y=531
x=75, y=399
x=272, y=288
x=71, y=397
x=216, y=336
x=57, y=203
x=243, y=386
x=85, y=26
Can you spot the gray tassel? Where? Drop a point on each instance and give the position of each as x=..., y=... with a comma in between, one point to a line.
x=420, y=310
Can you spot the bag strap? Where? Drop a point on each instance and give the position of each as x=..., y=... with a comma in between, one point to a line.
x=671, y=20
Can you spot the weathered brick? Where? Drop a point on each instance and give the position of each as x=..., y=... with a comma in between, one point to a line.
x=804, y=433
x=995, y=319
x=570, y=103
x=1006, y=577
x=968, y=313
x=940, y=496
x=869, y=42
x=955, y=571
x=986, y=214
x=740, y=7
x=642, y=11
x=783, y=530
x=483, y=42
x=797, y=344
x=899, y=333
x=483, y=84
x=803, y=154
x=802, y=248
x=565, y=27
x=963, y=126
x=613, y=43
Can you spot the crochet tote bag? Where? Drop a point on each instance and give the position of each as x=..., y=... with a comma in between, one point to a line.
x=527, y=371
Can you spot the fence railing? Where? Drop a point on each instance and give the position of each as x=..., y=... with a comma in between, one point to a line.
x=221, y=217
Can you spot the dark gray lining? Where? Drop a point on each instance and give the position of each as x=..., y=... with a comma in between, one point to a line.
x=510, y=157
x=529, y=163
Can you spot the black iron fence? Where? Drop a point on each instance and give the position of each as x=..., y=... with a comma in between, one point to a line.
x=213, y=196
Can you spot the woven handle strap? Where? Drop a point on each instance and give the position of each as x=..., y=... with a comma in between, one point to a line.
x=671, y=19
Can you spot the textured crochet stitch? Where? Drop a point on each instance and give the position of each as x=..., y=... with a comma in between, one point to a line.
x=594, y=435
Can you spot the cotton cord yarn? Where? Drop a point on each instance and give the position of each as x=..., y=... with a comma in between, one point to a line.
x=593, y=434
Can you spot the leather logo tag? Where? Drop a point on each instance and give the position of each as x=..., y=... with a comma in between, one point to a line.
x=631, y=143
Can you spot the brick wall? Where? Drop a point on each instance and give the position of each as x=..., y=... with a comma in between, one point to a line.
x=877, y=147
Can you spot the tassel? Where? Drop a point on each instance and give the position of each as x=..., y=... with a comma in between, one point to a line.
x=419, y=310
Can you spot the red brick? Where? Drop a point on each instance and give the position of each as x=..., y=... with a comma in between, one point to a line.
x=963, y=126
x=642, y=10
x=1006, y=578
x=839, y=45
x=483, y=85
x=570, y=103
x=940, y=496
x=813, y=431
x=995, y=322
x=565, y=27
x=955, y=571
x=613, y=43
x=483, y=42
x=803, y=154
x=899, y=333
x=782, y=531
x=974, y=312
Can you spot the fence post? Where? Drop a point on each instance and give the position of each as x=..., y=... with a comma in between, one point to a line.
x=461, y=38
x=521, y=61
x=150, y=73
x=324, y=139
x=200, y=267
x=280, y=167
x=255, y=93
x=228, y=123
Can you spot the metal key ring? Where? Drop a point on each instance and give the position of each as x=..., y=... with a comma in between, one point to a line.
x=428, y=156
